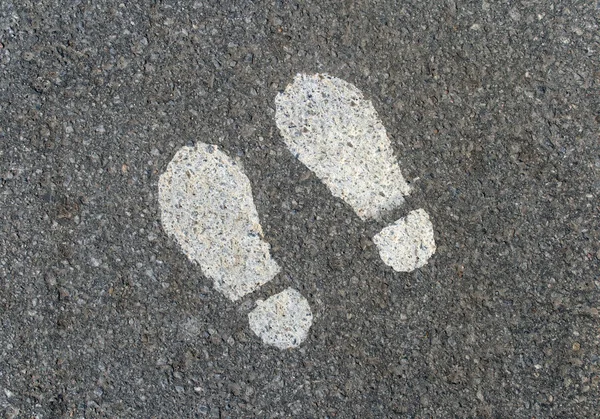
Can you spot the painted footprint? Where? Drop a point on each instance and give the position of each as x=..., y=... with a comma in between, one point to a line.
x=207, y=206
x=330, y=127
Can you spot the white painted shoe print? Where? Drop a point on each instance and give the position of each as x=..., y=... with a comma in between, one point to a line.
x=330, y=127
x=207, y=206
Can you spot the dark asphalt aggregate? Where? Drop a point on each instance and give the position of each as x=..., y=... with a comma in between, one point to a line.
x=493, y=109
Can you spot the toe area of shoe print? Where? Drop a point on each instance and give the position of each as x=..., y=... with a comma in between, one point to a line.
x=408, y=243
x=207, y=206
x=331, y=128
x=282, y=320
x=335, y=131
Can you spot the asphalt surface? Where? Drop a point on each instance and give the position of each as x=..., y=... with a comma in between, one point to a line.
x=493, y=109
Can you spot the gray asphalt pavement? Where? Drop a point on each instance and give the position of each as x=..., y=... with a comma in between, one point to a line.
x=493, y=111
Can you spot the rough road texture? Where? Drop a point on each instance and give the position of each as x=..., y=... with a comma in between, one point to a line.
x=493, y=108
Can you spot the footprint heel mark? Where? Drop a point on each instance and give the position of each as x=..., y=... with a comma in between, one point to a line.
x=408, y=243
x=282, y=320
x=207, y=206
x=333, y=130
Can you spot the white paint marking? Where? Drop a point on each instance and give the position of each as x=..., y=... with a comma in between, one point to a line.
x=282, y=320
x=408, y=243
x=206, y=204
x=206, y=200
x=328, y=124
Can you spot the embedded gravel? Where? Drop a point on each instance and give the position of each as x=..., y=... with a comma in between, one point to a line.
x=493, y=110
